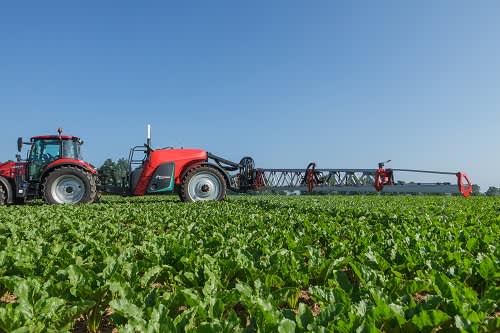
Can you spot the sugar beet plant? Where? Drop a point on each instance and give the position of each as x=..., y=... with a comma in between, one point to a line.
x=252, y=264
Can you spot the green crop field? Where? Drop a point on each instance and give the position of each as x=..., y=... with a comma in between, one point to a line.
x=252, y=264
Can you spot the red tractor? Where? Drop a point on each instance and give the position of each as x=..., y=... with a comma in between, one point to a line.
x=53, y=170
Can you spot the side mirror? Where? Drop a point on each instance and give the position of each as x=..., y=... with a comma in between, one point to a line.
x=19, y=144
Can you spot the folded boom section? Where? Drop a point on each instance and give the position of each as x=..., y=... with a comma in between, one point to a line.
x=353, y=181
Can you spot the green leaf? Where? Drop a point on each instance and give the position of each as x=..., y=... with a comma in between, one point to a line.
x=10, y=319
x=343, y=281
x=286, y=326
x=293, y=299
x=83, y=282
x=50, y=307
x=150, y=275
x=304, y=316
x=471, y=244
x=429, y=319
x=192, y=299
x=493, y=325
x=209, y=328
x=268, y=311
x=487, y=269
x=160, y=321
x=445, y=286
x=127, y=309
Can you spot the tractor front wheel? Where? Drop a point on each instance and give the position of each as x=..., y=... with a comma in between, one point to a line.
x=203, y=183
x=69, y=185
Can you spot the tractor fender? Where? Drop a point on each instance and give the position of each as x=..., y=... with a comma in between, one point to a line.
x=71, y=162
x=215, y=166
x=185, y=170
x=74, y=163
x=8, y=187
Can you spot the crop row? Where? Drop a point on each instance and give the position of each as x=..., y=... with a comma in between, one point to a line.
x=368, y=264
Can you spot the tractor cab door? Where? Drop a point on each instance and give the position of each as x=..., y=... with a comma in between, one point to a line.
x=42, y=153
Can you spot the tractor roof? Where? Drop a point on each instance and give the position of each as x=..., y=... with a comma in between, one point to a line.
x=55, y=137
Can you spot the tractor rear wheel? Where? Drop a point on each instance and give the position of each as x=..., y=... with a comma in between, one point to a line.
x=3, y=197
x=203, y=183
x=69, y=185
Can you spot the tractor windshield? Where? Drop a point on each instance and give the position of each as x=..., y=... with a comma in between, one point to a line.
x=45, y=150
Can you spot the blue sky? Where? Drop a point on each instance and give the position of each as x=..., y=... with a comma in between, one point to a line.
x=345, y=84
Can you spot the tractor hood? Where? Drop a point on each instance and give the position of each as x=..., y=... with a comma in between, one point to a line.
x=7, y=169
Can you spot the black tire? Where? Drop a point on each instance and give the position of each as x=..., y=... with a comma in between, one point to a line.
x=69, y=185
x=3, y=197
x=209, y=185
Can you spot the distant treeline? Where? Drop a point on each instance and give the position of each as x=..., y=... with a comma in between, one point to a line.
x=113, y=173
x=492, y=191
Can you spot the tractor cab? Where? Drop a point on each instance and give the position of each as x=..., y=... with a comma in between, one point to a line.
x=47, y=149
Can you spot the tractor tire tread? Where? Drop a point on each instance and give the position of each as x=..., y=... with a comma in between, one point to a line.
x=89, y=177
x=184, y=192
x=3, y=198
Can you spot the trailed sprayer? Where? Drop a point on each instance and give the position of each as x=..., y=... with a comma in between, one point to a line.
x=197, y=175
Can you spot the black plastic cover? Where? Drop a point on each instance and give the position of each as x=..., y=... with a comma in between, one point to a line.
x=163, y=178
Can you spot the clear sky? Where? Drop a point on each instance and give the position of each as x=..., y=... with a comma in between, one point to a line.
x=346, y=84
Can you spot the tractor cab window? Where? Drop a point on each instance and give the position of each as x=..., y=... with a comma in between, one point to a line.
x=71, y=149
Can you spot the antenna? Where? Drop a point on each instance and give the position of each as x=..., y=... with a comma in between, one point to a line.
x=148, y=142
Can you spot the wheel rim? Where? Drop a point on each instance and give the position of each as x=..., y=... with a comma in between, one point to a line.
x=68, y=189
x=204, y=186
